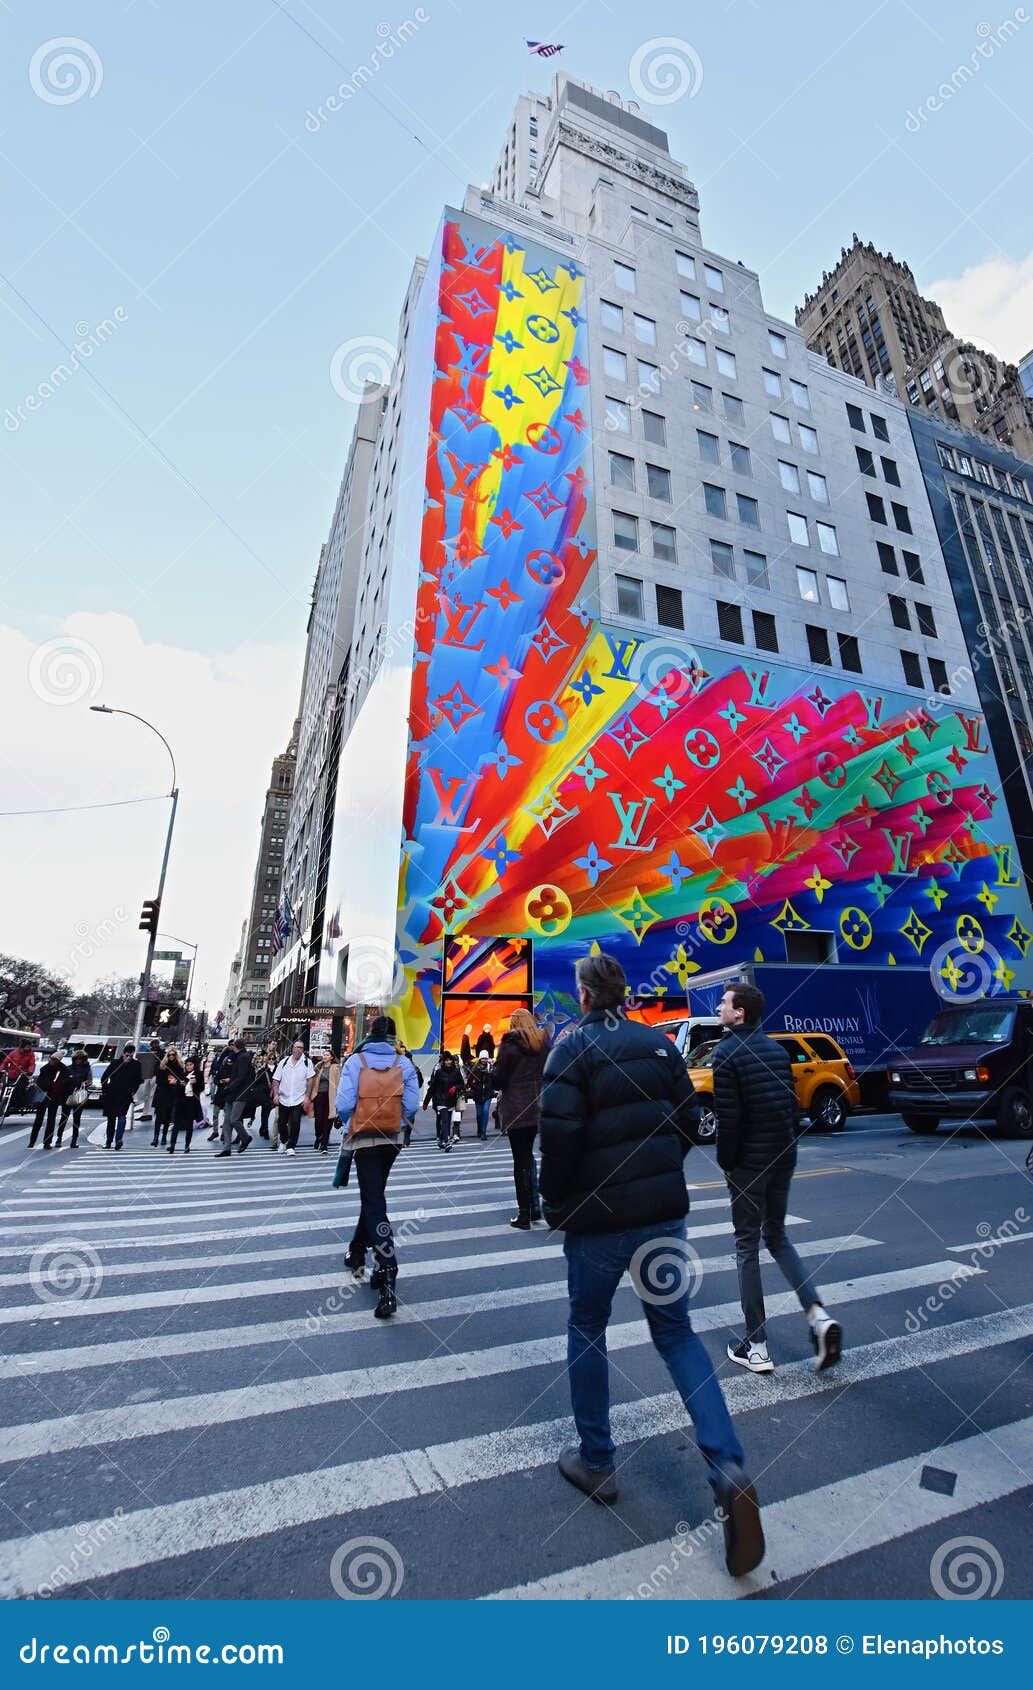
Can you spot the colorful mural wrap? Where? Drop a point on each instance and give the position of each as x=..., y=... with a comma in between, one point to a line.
x=573, y=783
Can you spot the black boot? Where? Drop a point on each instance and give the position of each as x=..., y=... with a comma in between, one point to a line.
x=378, y=1279
x=388, y=1303
x=521, y=1222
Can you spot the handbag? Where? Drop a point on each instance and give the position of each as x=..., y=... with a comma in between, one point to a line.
x=79, y=1097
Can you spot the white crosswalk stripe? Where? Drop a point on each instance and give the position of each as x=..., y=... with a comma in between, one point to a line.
x=222, y=1310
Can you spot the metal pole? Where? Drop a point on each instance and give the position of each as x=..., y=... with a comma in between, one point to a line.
x=152, y=940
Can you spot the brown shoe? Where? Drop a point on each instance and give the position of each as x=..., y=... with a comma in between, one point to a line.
x=600, y=1483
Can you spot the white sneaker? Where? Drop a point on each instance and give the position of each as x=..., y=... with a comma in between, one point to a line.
x=827, y=1338
x=290, y=1151
x=282, y=1149
x=752, y=1356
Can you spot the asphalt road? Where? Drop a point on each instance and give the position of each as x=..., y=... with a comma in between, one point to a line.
x=195, y=1405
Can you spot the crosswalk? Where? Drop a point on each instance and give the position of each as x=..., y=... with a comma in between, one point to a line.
x=195, y=1394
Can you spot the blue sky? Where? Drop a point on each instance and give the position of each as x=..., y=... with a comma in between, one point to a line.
x=183, y=481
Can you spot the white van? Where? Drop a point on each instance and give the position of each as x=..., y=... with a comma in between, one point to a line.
x=690, y=1031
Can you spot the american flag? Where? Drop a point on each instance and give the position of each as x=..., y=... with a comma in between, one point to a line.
x=544, y=49
x=282, y=925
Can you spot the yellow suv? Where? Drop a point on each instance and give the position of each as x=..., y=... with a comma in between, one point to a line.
x=826, y=1087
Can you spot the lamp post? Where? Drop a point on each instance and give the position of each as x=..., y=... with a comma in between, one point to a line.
x=109, y=710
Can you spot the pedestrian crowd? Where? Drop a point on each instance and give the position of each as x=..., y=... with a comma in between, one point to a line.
x=612, y=1108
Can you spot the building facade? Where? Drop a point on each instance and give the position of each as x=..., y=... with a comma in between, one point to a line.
x=639, y=677
x=247, y=1006
x=869, y=319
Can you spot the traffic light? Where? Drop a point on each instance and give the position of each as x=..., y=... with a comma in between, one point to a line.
x=165, y=1017
x=149, y=916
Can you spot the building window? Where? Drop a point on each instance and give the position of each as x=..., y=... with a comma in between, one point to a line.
x=799, y=394
x=879, y=429
x=669, y=612
x=612, y=316
x=725, y=362
x=637, y=211
x=818, y=645
x=714, y=279
x=740, y=458
x=778, y=344
x=658, y=483
x=772, y=383
x=839, y=598
x=714, y=498
x=765, y=634
x=849, y=652
x=865, y=460
x=618, y=415
x=665, y=545
x=807, y=585
x=691, y=306
x=729, y=623
x=624, y=276
x=686, y=265
x=912, y=668
x=749, y=511
x=818, y=488
x=780, y=428
x=855, y=416
x=719, y=318
x=645, y=329
x=709, y=448
x=697, y=352
x=622, y=472
x=890, y=471
x=789, y=476
x=827, y=538
x=648, y=377
x=654, y=428
x=913, y=566
x=615, y=363
x=797, y=528
x=926, y=620
x=625, y=531
x=902, y=519
x=629, y=596
x=723, y=559
x=876, y=508
x=757, y=570
x=899, y=612
x=938, y=671
x=808, y=438
x=702, y=397
x=733, y=408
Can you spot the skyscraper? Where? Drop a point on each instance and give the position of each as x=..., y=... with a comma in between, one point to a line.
x=248, y=991
x=627, y=668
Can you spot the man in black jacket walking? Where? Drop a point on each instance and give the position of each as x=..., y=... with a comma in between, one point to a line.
x=241, y=1079
x=756, y=1108
x=617, y=1115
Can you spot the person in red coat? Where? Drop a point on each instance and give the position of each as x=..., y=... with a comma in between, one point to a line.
x=16, y=1070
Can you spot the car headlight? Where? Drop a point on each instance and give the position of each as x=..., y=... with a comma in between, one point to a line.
x=895, y=1079
x=970, y=1074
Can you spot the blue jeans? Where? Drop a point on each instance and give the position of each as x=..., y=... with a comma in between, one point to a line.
x=116, y=1126
x=483, y=1111
x=596, y=1262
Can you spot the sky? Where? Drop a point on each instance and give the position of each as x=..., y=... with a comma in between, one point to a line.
x=229, y=255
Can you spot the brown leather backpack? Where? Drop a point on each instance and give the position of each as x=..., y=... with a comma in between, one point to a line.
x=378, y=1105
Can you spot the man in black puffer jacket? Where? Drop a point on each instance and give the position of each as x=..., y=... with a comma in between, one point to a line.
x=757, y=1112
x=617, y=1115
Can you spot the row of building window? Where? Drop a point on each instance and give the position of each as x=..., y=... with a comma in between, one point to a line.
x=965, y=463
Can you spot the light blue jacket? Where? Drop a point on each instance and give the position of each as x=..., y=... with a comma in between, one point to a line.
x=379, y=1054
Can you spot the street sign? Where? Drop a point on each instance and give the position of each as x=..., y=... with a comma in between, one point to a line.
x=167, y=956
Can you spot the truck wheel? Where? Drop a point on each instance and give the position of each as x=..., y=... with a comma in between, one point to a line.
x=828, y=1111
x=921, y=1123
x=706, y=1132
x=1015, y=1114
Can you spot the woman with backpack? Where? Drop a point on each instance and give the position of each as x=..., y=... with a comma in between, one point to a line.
x=445, y=1096
x=378, y=1095
x=186, y=1109
x=519, y=1067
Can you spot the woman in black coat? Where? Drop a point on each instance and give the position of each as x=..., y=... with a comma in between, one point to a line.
x=518, y=1078
x=186, y=1109
x=168, y=1085
x=80, y=1078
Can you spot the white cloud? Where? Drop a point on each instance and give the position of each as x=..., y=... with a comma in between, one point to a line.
x=990, y=304
x=73, y=883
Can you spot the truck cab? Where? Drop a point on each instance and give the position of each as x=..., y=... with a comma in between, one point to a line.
x=973, y=1063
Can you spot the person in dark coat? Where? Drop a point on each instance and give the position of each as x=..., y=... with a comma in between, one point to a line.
x=480, y=1089
x=444, y=1095
x=55, y=1082
x=187, y=1109
x=168, y=1085
x=518, y=1081
x=118, y=1086
x=757, y=1114
x=618, y=1115
x=80, y=1078
x=238, y=1090
x=485, y=1045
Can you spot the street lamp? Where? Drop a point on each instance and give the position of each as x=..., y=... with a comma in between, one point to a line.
x=110, y=710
